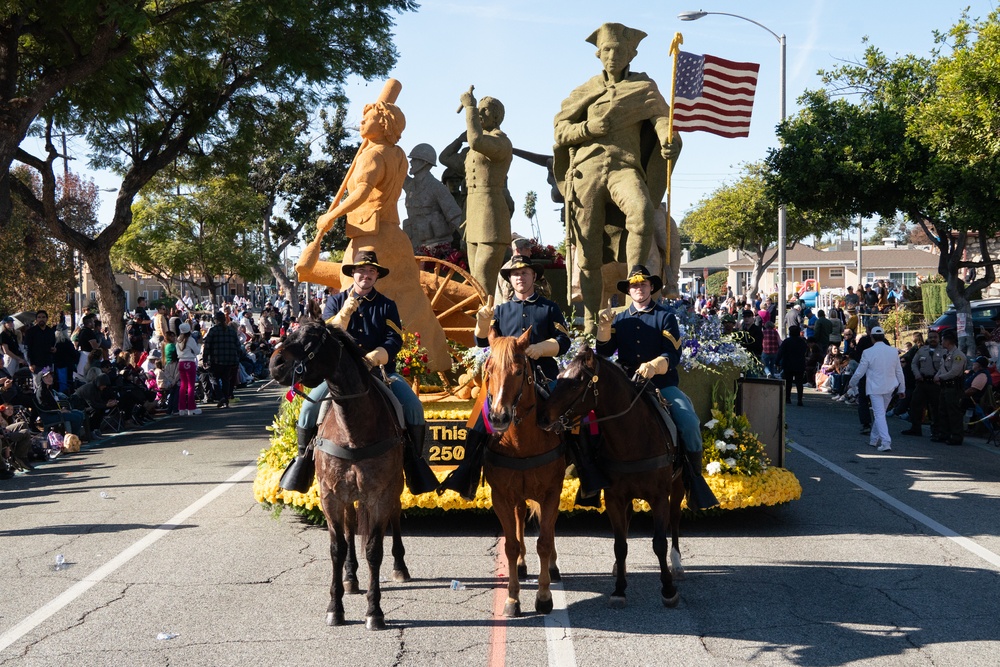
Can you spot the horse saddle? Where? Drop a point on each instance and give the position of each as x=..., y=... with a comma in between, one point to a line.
x=659, y=404
x=389, y=396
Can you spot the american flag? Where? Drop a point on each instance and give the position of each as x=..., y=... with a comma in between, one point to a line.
x=713, y=95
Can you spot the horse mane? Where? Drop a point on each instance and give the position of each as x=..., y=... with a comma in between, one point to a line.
x=503, y=350
x=351, y=347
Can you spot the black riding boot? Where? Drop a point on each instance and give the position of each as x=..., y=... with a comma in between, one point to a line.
x=700, y=495
x=299, y=474
x=465, y=478
x=419, y=476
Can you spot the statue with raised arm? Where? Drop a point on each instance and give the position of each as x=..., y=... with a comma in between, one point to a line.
x=487, y=213
x=374, y=184
x=611, y=150
x=432, y=215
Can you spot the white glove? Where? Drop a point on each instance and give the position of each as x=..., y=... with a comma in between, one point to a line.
x=343, y=317
x=546, y=348
x=484, y=319
x=852, y=392
x=604, y=319
x=655, y=366
x=378, y=357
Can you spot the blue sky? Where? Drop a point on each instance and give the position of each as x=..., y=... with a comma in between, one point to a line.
x=530, y=55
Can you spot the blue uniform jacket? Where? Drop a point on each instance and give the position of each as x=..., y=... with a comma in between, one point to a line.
x=545, y=319
x=374, y=324
x=639, y=336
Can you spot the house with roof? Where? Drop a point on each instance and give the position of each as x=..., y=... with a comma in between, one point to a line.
x=833, y=268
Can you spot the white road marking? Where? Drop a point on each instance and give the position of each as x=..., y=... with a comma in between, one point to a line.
x=558, y=631
x=964, y=542
x=95, y=577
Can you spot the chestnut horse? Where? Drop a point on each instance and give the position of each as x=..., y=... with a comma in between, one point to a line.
x=359, y=456
x=527, y=464
x=637, y=453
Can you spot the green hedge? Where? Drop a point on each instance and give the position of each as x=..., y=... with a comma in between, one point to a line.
x=935, y=298
x=716, y=283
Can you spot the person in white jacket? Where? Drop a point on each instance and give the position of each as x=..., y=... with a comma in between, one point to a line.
x=880, y=364
x=188, y=350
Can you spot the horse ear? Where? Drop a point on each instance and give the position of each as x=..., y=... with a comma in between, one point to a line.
x=588, y=358
x=314, y=311
x=524, y=339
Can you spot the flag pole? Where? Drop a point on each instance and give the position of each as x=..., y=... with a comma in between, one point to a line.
x=675, y=49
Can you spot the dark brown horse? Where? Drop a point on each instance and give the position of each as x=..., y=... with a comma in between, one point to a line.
x=637, y=454
x=527, y=464
x=359, y=457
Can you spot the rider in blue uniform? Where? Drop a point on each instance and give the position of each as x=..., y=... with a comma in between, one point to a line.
x=372, y=319
x=549, y=338
x=647, y=339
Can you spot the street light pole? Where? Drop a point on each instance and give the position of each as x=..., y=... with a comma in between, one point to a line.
x=782, y=211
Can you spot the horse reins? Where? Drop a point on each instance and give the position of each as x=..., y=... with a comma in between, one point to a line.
x=567, y=423
x=300, y=369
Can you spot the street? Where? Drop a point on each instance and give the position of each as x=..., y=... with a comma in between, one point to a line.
x=888, y=559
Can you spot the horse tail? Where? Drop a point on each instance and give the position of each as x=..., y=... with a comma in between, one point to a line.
x=534, y=510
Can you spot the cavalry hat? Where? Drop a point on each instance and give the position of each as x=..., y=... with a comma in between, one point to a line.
x=637, y=275
x=365, y=258
x=617, y=33
x=520, y=262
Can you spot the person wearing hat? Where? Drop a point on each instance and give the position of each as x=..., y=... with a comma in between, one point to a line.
x=432, y=216
x=549, y=338
x=647, y=339
x=883, y=375
x=188, y=350
x=949, y=379
x=612, y=143
x=373, y=320
x=11, y=347
x=926, y=393
x=49, y=399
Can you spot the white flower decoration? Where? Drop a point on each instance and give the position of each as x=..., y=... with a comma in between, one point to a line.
x=721, y=445
x=731, y=462
x=711, y=424
x=713, y=468
x=728, y=433
x=731, y=447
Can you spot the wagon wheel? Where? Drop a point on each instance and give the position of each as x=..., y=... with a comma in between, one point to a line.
x=455, y=296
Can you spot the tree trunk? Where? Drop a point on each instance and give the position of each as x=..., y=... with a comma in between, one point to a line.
x=110, y=295
x=284, y=282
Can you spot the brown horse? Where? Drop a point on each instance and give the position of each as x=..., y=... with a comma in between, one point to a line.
x=359, y=457
x=527, y=464
x=638, y=455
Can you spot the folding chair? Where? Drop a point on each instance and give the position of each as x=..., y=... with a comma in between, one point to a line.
x=984, y=414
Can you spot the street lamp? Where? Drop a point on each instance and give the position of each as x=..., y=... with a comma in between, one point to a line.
x=782, y=213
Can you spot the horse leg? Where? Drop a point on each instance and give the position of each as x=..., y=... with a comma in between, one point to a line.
x=661, y=520
x=520, y=518
x=506, y=511
x=400, y=573
x=338, y=552
x=554, y=575
x=351, y=562
x=618, y=514
x=547, y=516
x=676, y=496
x=374, y=551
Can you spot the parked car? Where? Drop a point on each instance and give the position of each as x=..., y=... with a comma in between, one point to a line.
x=983, y=312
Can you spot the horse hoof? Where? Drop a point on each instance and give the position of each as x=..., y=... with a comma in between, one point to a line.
x=616, y=602
x=375, y=622
x=351, y=586
x=522, y=572
x=400, y=576
x=554, y=575
x=335, y=618
x=671, y=602
x=543, y=606
x=512, y=609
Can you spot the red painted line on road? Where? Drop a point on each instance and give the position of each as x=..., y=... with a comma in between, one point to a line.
x=498, y=628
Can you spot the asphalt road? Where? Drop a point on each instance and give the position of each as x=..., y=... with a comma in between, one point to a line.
x=888, y=559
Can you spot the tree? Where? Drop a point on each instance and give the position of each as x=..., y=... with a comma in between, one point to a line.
x=190, y=84
x=210, y=231
x=881, y=154
x=894, y=228
x=743, y=216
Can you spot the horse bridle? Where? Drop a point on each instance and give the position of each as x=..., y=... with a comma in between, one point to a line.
x=526, y=380
x=566, y=422
x=299, y=369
